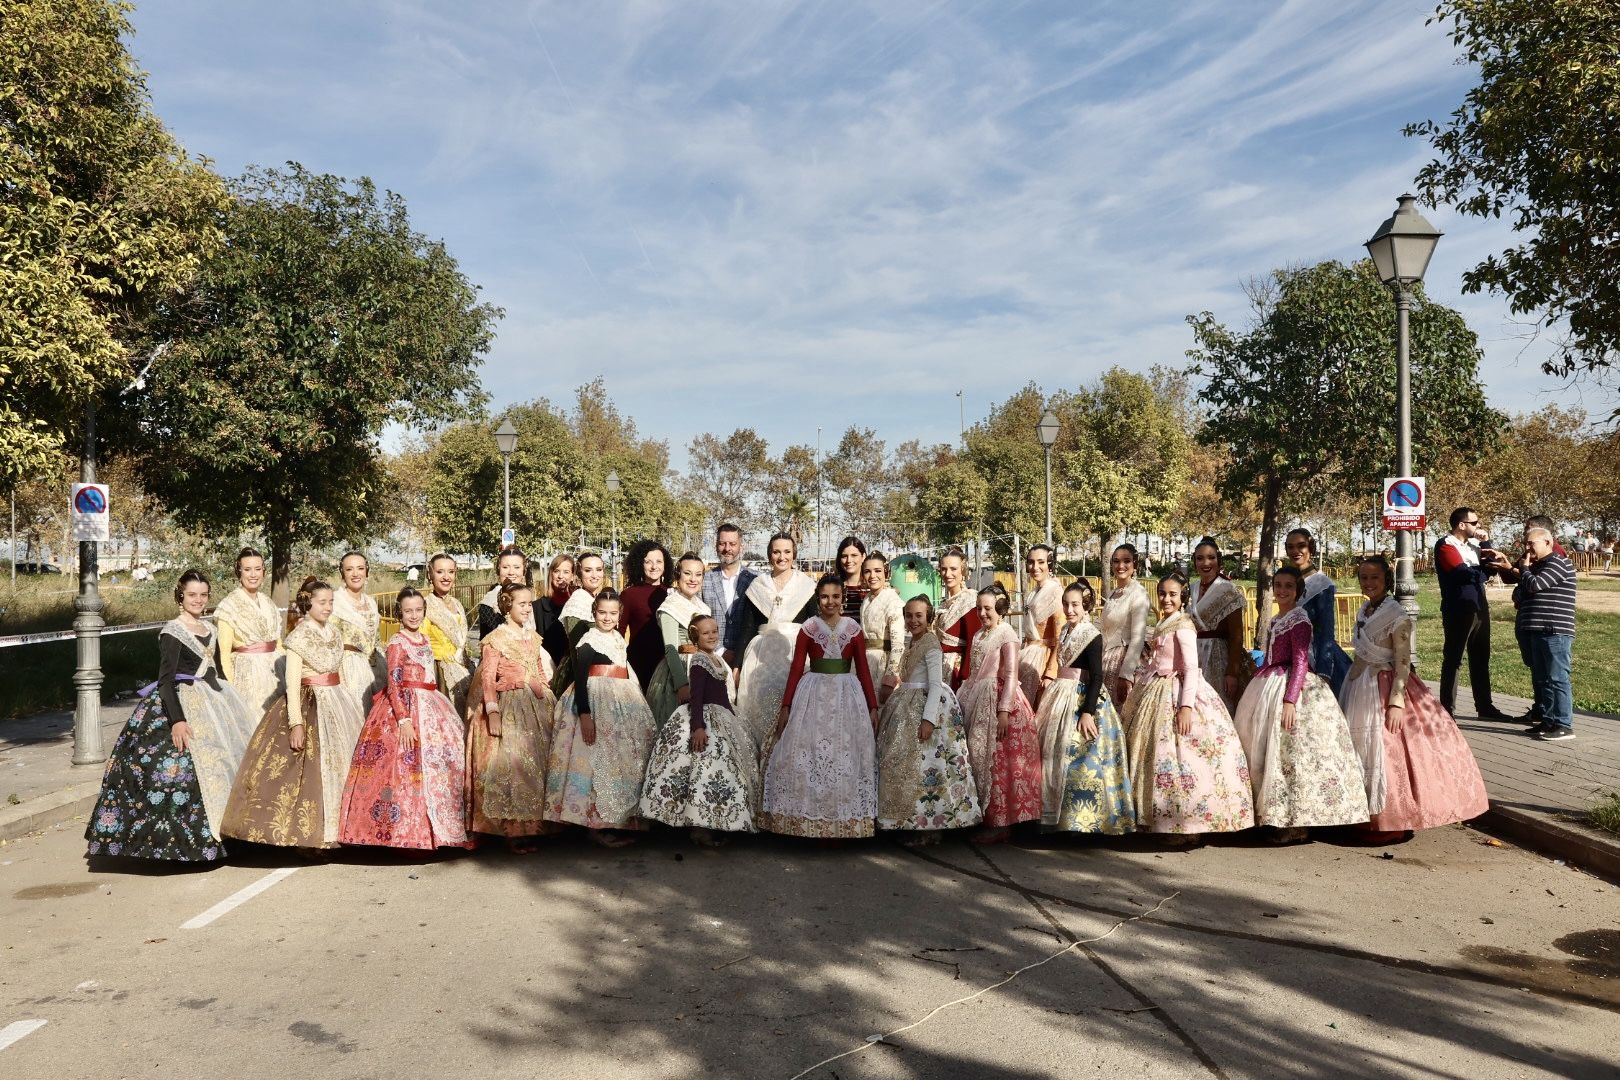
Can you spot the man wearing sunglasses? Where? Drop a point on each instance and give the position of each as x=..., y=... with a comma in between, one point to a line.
x=1465, y=614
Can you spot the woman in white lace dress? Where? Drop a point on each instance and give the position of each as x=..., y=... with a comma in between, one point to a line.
x=777, y=603
x=821, y=771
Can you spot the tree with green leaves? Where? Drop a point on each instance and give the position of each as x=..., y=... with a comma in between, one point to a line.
x=1118, y=466
x=1132, y=438
x=954, y=502
x=855, y=475
x=725, y=476
x=1536, y=142
x=410, y=475
x=793, y=515
x=1306, y=394
x=323, y=319
x=103, y=220
x=559, y=481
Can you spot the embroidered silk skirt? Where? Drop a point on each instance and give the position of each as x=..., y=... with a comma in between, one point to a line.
x=924, y=785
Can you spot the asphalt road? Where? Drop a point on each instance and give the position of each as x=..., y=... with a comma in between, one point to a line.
x=1453, y=958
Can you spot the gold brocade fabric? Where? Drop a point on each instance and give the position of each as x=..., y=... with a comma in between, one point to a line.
x=276, y=786
x=277, y=798
x=506, y=781
x=446, y=629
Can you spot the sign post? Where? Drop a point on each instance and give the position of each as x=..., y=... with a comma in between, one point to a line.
x=89, y=509
x=1405, y=504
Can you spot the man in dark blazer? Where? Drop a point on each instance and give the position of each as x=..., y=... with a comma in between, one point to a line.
x=1465, y=614
x=725, y=586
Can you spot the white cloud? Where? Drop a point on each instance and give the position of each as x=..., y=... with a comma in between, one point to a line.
x=843, y=213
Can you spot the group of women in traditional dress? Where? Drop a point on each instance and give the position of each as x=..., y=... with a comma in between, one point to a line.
x=584, y=707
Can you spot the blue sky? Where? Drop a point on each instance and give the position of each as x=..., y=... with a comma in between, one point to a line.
x=786, y=215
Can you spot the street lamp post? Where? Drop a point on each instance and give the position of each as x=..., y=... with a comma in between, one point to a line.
x=1401, y=250
x=506, y=440
x=87, y=625
x=818, y=496
x=1047, y=429
x=613, y=516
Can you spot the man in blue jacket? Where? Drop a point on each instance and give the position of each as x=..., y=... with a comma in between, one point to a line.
x=725, y=586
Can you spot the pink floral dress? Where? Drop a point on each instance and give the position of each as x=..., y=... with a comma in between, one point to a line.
x=1006, y=768
x=408, y=798
x=1193, y=783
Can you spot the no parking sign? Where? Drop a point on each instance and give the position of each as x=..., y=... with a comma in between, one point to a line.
x=1404, y=503
x=88, y=508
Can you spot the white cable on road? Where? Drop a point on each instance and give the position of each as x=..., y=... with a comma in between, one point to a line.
x=1070, y=947
x=238, y=898
x=19, y=1029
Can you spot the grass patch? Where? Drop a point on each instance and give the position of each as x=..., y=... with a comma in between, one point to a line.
x=1606, y=814
x=1594, y=677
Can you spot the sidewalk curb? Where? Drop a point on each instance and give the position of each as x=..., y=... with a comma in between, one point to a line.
x=1577, y=845
x=59, y=806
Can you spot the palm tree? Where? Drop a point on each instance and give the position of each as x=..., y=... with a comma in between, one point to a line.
x=795, y=509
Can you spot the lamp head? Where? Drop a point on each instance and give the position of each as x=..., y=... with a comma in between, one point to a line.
x=1403, y=244
x=1047, y=429
x=506, y=437
x=613, y=480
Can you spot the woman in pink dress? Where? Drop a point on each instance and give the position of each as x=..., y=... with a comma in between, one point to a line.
x=406, y=780
x=1188, y=771
x=1419, y=769
x=1004, y=744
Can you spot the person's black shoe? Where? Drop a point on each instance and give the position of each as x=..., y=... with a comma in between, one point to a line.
x=1556, y=733
x=1493, y=713
x=1538, y=729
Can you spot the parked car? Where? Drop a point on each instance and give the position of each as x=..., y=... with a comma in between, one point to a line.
x=38, y=568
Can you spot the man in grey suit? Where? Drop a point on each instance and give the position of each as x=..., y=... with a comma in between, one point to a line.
x=724, y=588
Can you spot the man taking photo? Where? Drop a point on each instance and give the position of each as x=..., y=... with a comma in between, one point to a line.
x=1545, y=597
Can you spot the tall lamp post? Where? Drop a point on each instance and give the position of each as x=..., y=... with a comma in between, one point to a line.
x=1047, y=429
x=87, y=625
x=613, y=516
x=1401, y=250
x=506, y=442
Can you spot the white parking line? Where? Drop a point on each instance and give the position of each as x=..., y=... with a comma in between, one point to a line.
x=238, y=898
x=17, y=1030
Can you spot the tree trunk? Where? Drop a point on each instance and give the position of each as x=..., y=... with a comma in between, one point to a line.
x=280, y=565
x=1269, y=511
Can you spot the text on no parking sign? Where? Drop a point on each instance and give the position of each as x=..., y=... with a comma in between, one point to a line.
x=88, y=508
x=1405, y=508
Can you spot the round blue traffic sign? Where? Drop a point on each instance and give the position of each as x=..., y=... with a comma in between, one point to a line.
x=90, y=500
x=1405, y=493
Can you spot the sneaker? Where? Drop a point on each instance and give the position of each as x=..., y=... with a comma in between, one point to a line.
x=1539, y=729
x=1493, y=713
x=1556, y=733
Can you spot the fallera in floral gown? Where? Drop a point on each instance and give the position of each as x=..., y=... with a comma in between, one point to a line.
x=1193, y=783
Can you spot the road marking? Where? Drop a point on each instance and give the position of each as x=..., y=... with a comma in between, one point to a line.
x=238, y=898
x=17, y=1030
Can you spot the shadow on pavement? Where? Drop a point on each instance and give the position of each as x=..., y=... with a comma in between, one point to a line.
x=766, y=957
